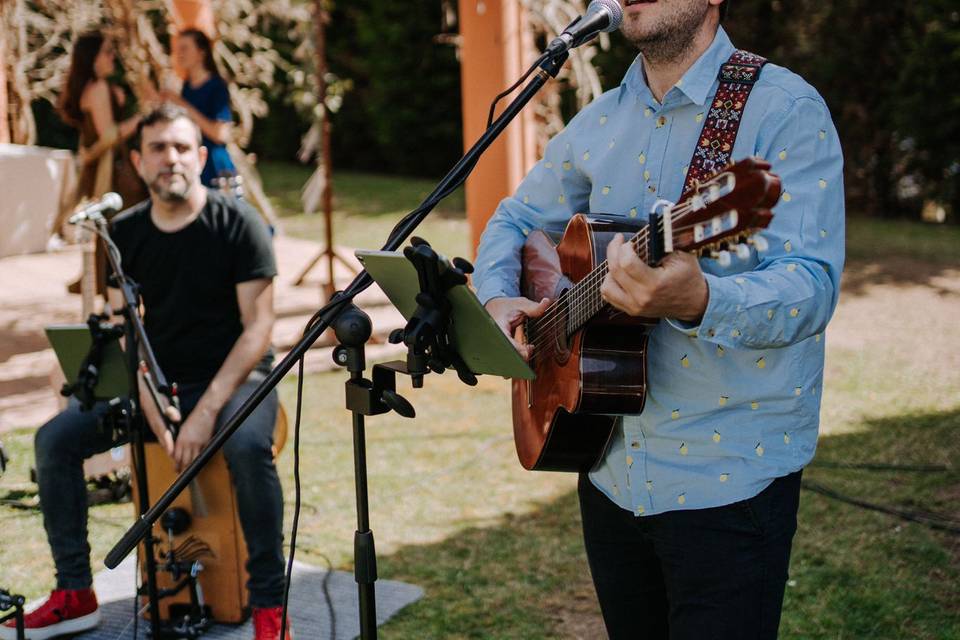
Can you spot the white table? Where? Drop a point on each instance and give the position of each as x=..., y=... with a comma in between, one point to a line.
x=36, y=184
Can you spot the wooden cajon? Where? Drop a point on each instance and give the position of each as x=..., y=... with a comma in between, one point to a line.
x=224, y=575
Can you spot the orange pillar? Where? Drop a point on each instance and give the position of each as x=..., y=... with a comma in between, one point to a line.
x=495, y=50
x=194, y=14
x=191, y=14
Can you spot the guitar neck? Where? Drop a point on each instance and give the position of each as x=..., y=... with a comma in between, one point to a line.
x=584, y=301
x=720, y=215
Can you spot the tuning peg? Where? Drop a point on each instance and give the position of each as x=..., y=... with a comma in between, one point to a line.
x=723, y=258
x=760, y=243
x=743, y=251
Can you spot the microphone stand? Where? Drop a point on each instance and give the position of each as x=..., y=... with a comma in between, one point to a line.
x=137, y=346
x=549, y=66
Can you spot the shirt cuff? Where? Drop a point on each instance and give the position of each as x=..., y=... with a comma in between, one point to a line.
x=486, y=293
x=719, y=318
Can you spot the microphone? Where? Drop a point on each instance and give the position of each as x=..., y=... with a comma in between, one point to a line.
x=601, y=15
x=94, y=211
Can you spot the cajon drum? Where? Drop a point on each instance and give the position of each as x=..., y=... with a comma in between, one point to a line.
x=224, y=574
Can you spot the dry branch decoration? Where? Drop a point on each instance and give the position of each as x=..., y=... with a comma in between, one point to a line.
x=39, y=36
x=549, y=18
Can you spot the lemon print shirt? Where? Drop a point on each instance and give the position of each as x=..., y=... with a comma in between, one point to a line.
x=733, y=402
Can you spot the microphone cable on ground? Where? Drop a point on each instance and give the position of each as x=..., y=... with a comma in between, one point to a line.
x=880, y=466
x=933, y=520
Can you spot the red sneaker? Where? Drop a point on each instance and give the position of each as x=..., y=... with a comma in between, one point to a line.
x=66, y=611
x=266, y=624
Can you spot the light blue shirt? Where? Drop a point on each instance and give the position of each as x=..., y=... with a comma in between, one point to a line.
x=734, y=402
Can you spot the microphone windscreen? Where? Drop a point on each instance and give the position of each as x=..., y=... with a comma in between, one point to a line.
x=613, y=8
x=112, y=200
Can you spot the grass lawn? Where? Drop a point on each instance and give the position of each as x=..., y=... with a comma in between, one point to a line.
x=498, y=549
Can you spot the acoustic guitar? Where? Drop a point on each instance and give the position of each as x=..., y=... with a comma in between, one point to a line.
x=589, y=358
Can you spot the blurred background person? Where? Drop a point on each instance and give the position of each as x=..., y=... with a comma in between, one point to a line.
x=93, y=105
x=206, y=98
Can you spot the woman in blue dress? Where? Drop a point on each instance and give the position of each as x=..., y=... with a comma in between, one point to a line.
x=206, y=98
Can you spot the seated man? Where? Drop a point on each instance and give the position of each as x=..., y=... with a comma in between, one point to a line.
x=205, y=266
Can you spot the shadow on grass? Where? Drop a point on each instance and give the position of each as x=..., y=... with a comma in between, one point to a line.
x=863, y=574
x=899, y=252
x=525, y=578
x=854, y=573
x=903, y=271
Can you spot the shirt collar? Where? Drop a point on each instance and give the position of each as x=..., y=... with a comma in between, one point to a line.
x=696, y=83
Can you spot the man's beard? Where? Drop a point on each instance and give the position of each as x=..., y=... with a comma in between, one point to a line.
x=171, y=191
x=672, y=38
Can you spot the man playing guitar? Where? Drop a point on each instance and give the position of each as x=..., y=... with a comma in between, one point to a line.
x=689, y=514
x=205, y=266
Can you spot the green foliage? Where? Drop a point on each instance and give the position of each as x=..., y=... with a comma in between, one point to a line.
x=403, y=114
x=889, y=77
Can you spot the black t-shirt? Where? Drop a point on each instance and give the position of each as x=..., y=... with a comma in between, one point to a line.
x=188, y=281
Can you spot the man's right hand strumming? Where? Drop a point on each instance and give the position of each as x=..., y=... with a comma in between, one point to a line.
x=509, y=314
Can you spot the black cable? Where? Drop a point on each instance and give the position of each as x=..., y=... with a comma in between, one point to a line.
x=296, y=508
x=879, y=466
x=493, y=105
x=936, y=521
x=325, y=586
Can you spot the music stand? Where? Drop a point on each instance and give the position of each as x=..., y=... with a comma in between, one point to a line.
x=473, y=333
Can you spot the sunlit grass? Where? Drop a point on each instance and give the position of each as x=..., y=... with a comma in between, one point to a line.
x=498, y=549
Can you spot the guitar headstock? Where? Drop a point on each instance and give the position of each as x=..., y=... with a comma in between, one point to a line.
x=721, y=215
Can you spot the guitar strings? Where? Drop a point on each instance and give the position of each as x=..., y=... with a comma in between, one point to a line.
x=582, y=292
x=576, y=295
x=581, y=301
x=545, y=327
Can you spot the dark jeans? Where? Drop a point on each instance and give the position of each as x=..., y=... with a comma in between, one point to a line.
x=63, y=443
x=705, y=574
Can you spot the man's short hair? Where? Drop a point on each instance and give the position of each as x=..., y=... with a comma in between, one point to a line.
x=165, y=112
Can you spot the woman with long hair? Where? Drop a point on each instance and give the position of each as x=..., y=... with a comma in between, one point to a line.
x=206, y=98
x=94, y=106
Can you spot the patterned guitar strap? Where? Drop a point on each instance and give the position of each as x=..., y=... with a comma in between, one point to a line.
x=737, y=77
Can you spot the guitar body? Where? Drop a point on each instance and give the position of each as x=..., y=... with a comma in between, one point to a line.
x=590, y=359
x=564, y=418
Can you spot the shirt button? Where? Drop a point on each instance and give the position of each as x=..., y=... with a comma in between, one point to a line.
x=634, y=445
x=629, y=461
x=661, y=121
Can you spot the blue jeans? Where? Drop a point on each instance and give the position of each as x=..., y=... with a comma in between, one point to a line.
x=690, y=575
x=64, y=442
